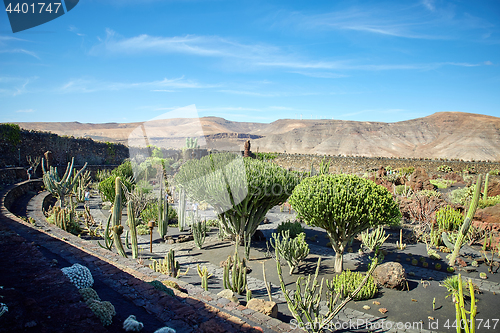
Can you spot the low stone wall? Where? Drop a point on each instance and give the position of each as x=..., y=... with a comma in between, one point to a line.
x=360, y=165
x=19, y=190
x=12, y=175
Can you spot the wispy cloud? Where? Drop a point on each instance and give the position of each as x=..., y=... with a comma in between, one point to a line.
x=321, y=75
x=86, y=85
x=424, y=20
x=33, y=54
x=25, y=111
x=15, y=85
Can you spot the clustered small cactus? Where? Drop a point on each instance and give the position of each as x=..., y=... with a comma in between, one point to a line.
x=293, y=250
x=79, y=275
x=203, y=273
x=346, y=282
x=238, y=280
x=169, y=266
x=374, y=239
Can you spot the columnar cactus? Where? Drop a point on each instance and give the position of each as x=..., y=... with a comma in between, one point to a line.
x=133, y=229
x=117, y=218
x=181, y=214
x=162, y=214
x=168, y=266
x=466, y=225
x=199, y=229
x=60, y=187
x=203, y=273
x=238, y=280
x=486, y=183
x=293, y=250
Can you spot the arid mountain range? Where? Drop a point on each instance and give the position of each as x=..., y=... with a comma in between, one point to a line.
x=441, y=135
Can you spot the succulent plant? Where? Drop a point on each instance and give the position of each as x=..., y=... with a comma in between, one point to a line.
x=79, y=275
x=343, y=205
x=105, y=311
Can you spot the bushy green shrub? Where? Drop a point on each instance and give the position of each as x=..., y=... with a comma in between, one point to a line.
x=406, y=170
x=430, y=193
x=442, y=183
x=107, y=188
x=295, y=228
x=449, y=219
x=344, y=205
x=142, y=229
x=150, y=212
x=266, y=156
x=461, y=196
x=346, y=282
x=124, y=170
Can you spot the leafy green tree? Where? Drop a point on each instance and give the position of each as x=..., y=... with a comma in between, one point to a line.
x=343, y=205
x=241, y=190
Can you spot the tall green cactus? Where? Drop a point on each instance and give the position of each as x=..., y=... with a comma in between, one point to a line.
x=199, y=229
x=117, y=218
x=465, y=226
x=108, y=240
x=203, y=273
x=238, y=280
x=60, y=187
x=181, y=214
x=173, y=266
x=293, y=250
x=486, y=183
x=133, y=231
x=162, y=215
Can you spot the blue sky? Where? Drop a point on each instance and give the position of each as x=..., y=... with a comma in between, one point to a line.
x=132, y=60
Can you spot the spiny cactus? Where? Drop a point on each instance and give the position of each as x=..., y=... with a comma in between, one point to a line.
x=203, y=273
x=448, y=219
x=374, y=239
x=191, y=143
x=486, y=183
x=181, y=214
x=79, y=275
x=324, y=167
x=293, y=250
x=81, y=184
x=108, y=240
x=238, y=280
x=61, y=187
x=304, y=304
x=117, y=217
x=65, y=218
x=133, y=229
x=162, y=214
x=465, y=226
x=199, y=229
x=346, y=282
x=89, y=295
x=169, y=266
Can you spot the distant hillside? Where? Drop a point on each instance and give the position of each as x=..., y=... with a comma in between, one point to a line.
x=442, y=135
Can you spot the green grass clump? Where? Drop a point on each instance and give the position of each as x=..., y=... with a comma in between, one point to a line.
x=430, y=193
x=461, y=196
x=346, y=282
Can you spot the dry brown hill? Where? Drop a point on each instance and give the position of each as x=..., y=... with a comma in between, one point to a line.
x=445, y=134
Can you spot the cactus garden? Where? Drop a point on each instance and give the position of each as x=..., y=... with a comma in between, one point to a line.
x=301, y=246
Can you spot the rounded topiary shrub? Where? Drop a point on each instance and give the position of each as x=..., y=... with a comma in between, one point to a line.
x=295, y=228
x=343, y=205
